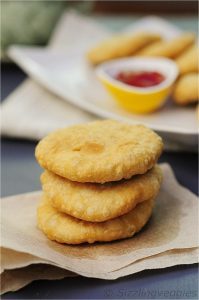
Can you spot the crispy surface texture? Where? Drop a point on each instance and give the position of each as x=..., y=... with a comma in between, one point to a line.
x=171, y=48
x=186, y=90
x=188, y=61
x=66, y=229
x=100, y=202
x=120, y=46
x=100, y=151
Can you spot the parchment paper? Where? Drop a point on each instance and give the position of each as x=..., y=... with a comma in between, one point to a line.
x=11, y=259
x=16, y=277
x=173, y=226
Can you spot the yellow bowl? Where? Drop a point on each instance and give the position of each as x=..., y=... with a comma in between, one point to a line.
x=135, y=99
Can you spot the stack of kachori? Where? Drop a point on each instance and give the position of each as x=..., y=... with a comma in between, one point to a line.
x=100, y=181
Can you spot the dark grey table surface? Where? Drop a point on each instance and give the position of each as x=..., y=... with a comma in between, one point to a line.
x=20, y=173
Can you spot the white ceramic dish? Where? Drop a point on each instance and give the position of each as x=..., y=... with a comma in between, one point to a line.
x=68, y=76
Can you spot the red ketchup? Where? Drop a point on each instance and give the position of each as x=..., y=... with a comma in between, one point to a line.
x=140, y=79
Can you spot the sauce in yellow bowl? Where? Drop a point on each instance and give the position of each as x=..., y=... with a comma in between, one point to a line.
x=140, y=85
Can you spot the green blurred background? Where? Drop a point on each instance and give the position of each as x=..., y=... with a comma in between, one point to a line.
x=32, y=22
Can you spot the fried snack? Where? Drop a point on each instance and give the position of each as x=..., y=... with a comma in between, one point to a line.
x=120, y=46
x=100, y=202
x=186, y=89
x=100, y=151
x=188, y=61
x=170, y=48
x=148, y=50
x=66, y=229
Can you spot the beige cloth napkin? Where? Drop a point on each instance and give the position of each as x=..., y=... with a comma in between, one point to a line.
x=170, y=238
x=31, y=111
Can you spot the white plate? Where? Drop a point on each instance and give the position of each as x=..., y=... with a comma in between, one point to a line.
x=68, y=76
